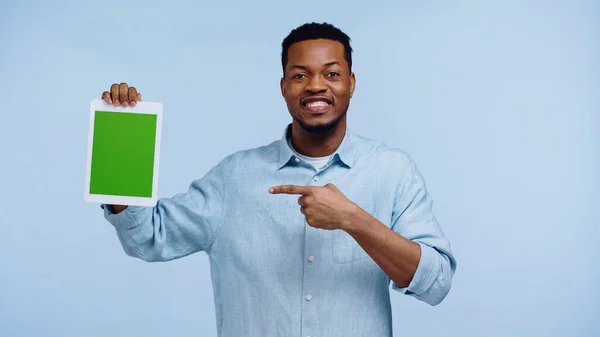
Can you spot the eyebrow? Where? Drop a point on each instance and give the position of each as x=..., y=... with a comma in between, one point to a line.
x=303, y=67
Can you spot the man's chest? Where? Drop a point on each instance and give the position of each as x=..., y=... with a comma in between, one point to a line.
x=262, y=229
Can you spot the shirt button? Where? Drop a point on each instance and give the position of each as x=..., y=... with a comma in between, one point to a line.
x=297, y=160
x=311, y=258
x=308, y=297
x=316, y=178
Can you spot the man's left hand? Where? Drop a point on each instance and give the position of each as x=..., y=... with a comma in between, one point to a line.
x=324, y=207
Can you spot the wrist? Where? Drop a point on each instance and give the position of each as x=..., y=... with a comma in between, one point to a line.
x=353, y=219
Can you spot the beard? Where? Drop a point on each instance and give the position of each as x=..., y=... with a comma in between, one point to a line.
x=323, y=128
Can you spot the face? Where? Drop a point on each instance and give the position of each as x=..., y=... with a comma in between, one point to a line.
x=317, y=85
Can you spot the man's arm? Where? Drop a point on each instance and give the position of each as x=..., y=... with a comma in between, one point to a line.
x=414, y=252
x=175, y=227
x=397, y=256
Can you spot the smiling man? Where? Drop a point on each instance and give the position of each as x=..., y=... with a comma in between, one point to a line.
x=306, y=234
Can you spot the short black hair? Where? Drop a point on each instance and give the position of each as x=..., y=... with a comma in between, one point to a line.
x=314, y=31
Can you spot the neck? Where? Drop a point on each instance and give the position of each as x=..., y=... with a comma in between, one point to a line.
x=317, y=145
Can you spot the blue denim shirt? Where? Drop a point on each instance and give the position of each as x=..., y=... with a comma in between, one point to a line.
x=272, y=274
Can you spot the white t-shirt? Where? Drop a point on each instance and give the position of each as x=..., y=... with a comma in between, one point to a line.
x=317, y=162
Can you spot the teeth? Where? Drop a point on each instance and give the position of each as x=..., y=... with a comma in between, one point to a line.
x=317, y=104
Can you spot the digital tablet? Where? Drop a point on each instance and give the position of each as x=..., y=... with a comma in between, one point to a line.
x=123, y=153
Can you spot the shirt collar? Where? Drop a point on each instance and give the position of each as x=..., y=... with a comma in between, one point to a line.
x=346, y=152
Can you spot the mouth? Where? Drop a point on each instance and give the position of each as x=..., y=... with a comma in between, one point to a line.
x=316, y=104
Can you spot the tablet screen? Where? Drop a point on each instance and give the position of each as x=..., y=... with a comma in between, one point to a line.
x=123, y=152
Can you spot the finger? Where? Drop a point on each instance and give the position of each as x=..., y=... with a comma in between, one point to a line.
x=132, y=96
x=123, y=93
x=303, y=210
x=114, y=94
x=331, y=186
x=290, y=189
x=139, y=97
x=106, y=97
x=301, y=201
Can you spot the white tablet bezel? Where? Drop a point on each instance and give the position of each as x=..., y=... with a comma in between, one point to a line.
x=141, y=108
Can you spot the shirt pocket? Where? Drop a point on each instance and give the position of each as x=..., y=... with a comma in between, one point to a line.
x=345, y=249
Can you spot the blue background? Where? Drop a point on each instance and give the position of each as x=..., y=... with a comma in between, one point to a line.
x=497, y=101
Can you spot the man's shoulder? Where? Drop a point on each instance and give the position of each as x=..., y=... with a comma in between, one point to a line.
x=252, y=156
x=380, y=151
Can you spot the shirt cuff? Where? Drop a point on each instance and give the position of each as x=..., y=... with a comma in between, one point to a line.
x=425, y=274
x=123, y=220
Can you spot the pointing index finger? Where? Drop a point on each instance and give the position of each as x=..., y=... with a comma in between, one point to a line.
x=290, y=189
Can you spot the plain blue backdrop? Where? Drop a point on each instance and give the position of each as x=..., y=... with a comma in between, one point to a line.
x=497, y=101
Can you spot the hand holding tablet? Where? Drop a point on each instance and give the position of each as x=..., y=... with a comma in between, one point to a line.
x=123, y=149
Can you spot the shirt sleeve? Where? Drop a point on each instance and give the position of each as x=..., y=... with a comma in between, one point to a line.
x=413, y=219
x=176, y=226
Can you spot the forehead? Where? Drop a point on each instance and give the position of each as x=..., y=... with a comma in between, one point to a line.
x=316, y=52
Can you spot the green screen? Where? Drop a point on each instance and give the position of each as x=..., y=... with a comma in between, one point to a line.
x=123, y=154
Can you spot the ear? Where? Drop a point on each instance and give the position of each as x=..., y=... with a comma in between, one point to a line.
x=282, y=85
x=352, y=84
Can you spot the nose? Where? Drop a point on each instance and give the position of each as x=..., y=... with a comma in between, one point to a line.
x=316, y=84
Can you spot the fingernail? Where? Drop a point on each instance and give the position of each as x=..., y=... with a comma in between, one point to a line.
x=133, y=103
x=271, y=190
x=116, y=102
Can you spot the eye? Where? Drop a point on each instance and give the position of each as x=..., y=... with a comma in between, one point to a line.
x=333, y=74
x=298, y=76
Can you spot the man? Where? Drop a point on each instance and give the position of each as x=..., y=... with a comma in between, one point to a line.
x=305, y=234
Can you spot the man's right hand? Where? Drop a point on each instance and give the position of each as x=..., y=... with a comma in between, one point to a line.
x=122, y=94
